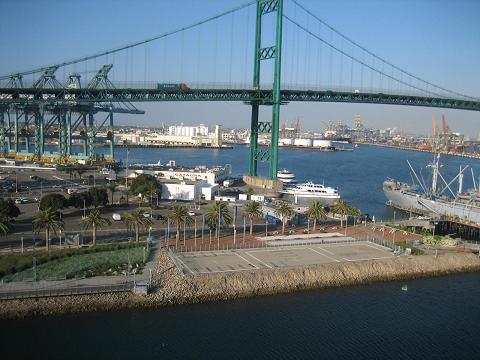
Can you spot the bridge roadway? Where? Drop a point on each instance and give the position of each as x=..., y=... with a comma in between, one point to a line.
x=60, y=96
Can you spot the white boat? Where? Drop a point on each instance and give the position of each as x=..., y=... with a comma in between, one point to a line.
x=310, y=190
x=286, y=176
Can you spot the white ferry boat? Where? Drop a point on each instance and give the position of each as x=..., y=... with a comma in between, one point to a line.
x=310, y=190
x=286, y=176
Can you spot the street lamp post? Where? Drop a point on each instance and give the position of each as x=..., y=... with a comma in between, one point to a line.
x=126, y=176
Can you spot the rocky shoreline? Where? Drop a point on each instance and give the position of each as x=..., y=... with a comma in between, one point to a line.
x=171, y=287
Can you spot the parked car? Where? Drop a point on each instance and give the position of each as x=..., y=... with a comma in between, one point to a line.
x=191, y=213
x=116, y=217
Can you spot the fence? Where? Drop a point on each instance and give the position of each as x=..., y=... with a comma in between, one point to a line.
x=259, y=243
x=80, y=290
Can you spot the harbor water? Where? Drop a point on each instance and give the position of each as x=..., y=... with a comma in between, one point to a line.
x=436, y=318
x=358, y=174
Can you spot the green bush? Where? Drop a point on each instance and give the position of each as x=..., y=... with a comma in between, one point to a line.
x=13, y=263
x=404, y=245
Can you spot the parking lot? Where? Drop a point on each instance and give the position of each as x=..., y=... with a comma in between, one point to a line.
x=202, y=262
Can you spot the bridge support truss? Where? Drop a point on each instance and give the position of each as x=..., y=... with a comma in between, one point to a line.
x=265, y=7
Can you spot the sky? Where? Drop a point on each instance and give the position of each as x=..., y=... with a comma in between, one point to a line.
x=438, y=40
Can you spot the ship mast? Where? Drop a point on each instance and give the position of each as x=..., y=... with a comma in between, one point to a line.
x=436, y=160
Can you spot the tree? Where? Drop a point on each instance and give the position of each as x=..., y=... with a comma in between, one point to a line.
x=135, y=220
x=112, y=187
x=8, y=209
x=217, y=215
x=316, y=212
x=344, y=209
x=78, y=200
x=145, y=183
x=284, y=211
x=49, y=221
x=252, y=209
x=80, y=169
x=99, y=196
x=250, y=192
x=53, y=201
x=179, y=215
x=95, y=221
x=4, y=224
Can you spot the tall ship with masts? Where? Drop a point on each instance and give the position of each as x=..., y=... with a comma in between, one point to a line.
x=441, y=199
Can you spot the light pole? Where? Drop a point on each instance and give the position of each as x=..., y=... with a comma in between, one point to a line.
x=84, y=209
x=126, y=176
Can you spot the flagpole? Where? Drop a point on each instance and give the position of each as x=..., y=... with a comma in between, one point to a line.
x=244, y=229
x=234, y=229
x=203, y=226
x=219, y=223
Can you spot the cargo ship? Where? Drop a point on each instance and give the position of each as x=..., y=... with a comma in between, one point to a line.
x=437, y=201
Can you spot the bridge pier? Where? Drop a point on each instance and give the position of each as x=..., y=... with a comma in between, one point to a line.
x=265, y=53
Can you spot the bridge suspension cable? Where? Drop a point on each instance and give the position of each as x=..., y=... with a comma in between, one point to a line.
x=132, y=45
x=382, y=60
x=340, y=51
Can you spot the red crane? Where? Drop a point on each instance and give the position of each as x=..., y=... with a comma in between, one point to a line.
x=444, y=128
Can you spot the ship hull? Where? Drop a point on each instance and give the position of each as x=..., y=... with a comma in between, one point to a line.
x=416, y=203
x=308, y=199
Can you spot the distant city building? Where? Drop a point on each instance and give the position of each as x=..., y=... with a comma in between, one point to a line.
x=177, y=135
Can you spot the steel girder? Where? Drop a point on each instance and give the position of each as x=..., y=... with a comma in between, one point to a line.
x=83, y=98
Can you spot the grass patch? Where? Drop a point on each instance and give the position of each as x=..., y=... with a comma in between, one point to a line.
x=115, y=262
x=18, y=262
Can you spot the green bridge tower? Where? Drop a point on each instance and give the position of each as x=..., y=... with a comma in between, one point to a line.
x=264, y=53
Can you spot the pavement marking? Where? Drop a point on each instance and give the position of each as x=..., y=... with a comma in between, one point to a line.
x=260, y=261
x=378, y=247
x=280, y=249
x=373, y=258
x=222, y=271
x=184, y=264
x=318, y=252
x=331, y=253
x=248, y=262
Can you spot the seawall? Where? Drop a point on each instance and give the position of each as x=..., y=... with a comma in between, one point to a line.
x=170, y=287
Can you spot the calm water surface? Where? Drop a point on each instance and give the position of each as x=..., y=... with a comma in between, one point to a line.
x=435, y=319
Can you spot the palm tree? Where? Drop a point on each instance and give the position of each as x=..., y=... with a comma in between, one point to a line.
x=315, y=212
x=152, y=188
x=95, y=220
x=252, y=209
x=218, y=214
x=179, y=215
x=4, y=224
x=284, y=211
x=112, y=187
x=137, y=219
x=344, y=209
x=49, y=221
x=250, y=192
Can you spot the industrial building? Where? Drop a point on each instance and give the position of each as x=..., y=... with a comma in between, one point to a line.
x=177, y=135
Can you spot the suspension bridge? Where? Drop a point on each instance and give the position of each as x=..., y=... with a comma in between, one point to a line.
x=297, y=57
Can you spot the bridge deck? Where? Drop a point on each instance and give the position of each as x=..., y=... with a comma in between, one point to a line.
x=74, y=97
